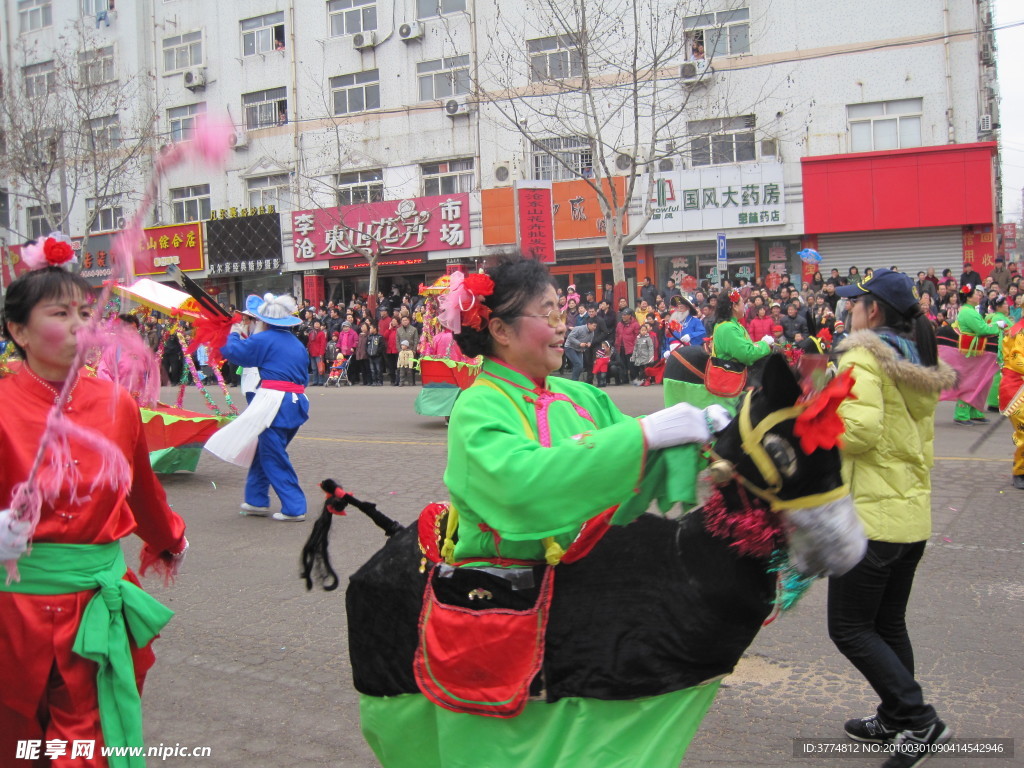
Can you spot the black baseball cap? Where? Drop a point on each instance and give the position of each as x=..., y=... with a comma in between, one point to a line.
x=895, y=288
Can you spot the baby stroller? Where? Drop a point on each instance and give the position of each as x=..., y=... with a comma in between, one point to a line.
x=339, y=374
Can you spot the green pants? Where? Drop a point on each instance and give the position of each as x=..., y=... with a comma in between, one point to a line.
x=966, y=412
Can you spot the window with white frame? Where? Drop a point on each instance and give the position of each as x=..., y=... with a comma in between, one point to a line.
x=41, y=148
x=96, y=67
x=263, y=34
x=358, y=187
x=880, y=125
x=42, y=220
x=265, y=108
x=554, y=58
x=427, y=8
x=182, y=120
x=270, y=190
x=5, y=209
x=441, y=78
x=105, y=214
x=357, y=92
x=34, y=14
x=448, y=178
x=183, y=51
x=349, y=17
x=563, y=158
x=717, y=35
x=190, y=203
x=40, y=79
x=104, y=133
x=95, y=7
x=722, y=140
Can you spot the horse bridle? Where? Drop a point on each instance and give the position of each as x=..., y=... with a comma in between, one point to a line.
x=751, y=438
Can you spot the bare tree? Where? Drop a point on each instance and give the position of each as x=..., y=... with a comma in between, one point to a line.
x=75, y=128
x=611, y=87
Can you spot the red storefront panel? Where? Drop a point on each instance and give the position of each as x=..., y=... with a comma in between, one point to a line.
x=942, y=186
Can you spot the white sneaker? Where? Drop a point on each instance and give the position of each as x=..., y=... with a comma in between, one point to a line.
x=251, y=511
x=281, y=516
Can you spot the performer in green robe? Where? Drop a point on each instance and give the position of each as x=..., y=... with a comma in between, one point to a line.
x=999, y=318
x=531, y=458
x=969, y=321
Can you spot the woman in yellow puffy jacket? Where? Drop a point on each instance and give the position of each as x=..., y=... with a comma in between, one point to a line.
x=887, y=457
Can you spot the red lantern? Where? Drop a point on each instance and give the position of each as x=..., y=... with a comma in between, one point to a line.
x=689, y=283
x=215, y=290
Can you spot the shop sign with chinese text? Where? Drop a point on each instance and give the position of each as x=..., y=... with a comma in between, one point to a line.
x=178, y=244
x=718, y=197
x=436, y=223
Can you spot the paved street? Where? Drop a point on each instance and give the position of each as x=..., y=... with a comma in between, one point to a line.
x=257, y=668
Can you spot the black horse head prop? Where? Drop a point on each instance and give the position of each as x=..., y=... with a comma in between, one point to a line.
x=782, y=450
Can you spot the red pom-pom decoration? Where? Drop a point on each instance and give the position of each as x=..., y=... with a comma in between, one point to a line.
x=57, y=252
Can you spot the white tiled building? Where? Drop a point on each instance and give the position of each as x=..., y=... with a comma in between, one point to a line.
x=348, y=102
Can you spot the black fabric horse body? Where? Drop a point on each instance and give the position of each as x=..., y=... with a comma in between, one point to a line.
x=659, y=605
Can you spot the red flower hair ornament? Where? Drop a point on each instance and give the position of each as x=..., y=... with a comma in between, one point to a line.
x=464, y=302
x=734, y=296
x=54, y=250
x=819, y=425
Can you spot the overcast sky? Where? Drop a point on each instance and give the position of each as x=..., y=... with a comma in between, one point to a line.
x=1010, y=44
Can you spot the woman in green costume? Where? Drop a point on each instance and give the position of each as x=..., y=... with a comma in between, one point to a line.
x=730, y=339
x=531, y=458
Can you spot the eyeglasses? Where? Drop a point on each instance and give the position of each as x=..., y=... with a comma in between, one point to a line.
x=555, y=317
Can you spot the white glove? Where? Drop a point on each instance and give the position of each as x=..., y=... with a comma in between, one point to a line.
x=13, y=535
x=240, y=329
x=718, y=418
x=1001, y=323
x=767, y=338
x=679, y=424
x=685, y=338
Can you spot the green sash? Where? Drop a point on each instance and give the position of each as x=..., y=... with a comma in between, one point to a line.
x=117, y=608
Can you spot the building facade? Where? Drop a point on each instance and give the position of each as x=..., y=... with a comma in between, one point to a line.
x=401, y=127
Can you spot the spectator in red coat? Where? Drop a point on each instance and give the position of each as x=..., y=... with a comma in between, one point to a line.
x=626, y=331
x=760, y=325
x=316, y=345
x=388, y=328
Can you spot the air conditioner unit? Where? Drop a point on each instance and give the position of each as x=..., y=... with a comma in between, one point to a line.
x=194, y=79
x=985, y=124
x=696, y=72
x=364, y=40
x=769, y=148
x=666, y=165
x=987, y=54
x=411, y=31
x=457, y=107
x=121, y=222
x=624, y=162
x=505, y=173
x=239, y=139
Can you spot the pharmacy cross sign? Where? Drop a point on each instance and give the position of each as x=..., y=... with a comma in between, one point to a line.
x=436, y=223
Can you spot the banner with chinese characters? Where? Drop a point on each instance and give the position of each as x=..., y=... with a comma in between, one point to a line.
x=576, y=207
x=180, y=244
x=436, y=223
x=535, y=220
x=980, y=248
x=718, y=197
x=246, y=243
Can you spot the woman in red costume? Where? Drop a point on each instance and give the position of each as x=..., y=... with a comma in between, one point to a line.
x=75, y=628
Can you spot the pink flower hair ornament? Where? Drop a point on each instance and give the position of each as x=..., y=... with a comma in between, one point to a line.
x=54, y=250
x=463, y=304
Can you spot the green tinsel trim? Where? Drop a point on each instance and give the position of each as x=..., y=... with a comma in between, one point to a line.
x=791, y=584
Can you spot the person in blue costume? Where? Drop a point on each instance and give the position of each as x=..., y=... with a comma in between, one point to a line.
x=684, y=327
x=259, y=438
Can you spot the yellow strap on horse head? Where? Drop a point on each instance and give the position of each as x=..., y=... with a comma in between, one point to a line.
x=751, y=437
